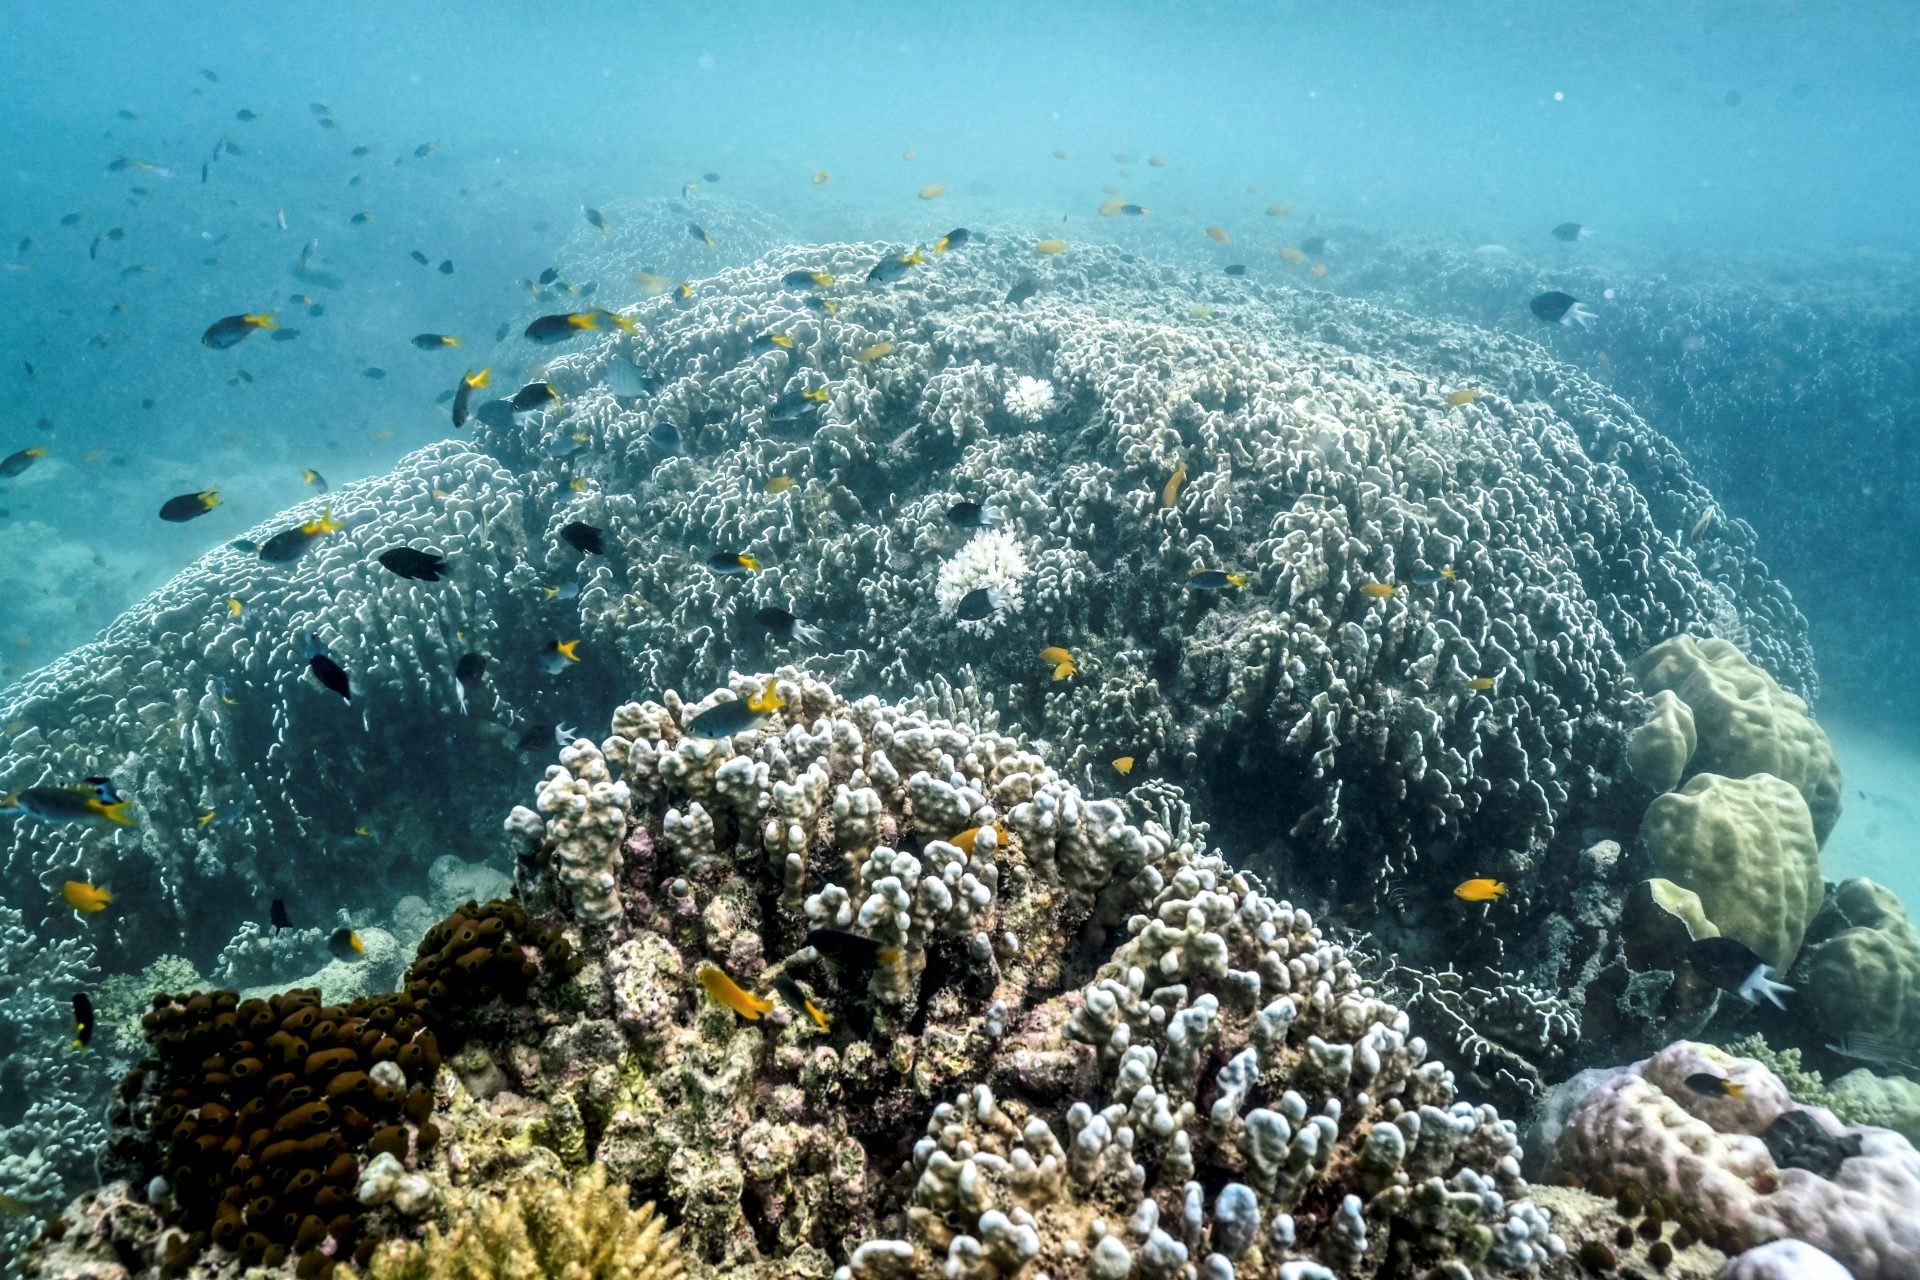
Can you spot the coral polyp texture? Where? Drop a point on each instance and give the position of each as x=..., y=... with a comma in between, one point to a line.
x=1752, y=1167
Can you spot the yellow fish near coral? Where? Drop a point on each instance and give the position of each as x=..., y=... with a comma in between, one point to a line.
x=1464, y=396
x=780, y=484
x=1063, y=663
x=1480, y=889
x=1218, y=235
x=732, y=994
x=1377, y=590
x=1123, y=766
x=867, y=355
x=1112, y=206
x=964, y=841
x=84, y=897
x=1480, y=684
x=1050, y=247
x=933, y=191
x=653, y=286
x=1170, y=491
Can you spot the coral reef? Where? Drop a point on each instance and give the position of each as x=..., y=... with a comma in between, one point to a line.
x=1347, y=741
x=1750, y=1168
x=544, y=1226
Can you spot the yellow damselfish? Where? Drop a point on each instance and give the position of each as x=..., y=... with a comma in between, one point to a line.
x=1479, y=889
x=732, y=994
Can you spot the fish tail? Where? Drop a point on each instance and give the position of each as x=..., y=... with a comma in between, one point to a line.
x=263, y=320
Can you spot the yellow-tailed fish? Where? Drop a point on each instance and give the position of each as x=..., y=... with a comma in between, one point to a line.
x=1465, y=396
x=1377, y=590
x=1123, y=765
x=780, y=484
x=732, y=994
x=867, y=355
x=1048, y=248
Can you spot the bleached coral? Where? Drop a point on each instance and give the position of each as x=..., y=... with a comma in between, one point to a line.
x=992, y=559
x=1030, y=399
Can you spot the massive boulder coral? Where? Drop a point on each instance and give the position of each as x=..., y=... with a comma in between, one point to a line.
x=1864, y=979
x=1746, y=848
x=1744, y=723
x=1753, y=1167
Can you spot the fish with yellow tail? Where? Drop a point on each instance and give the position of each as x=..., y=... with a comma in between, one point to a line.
x=1466, y=395
x=1480, y=889
x=88, y=899
x=1378, y=590
x=1061, y=661
x=189, y=506
x=797, y=1000
x=867, y=355
x=82, y=1020
x=345, y=944
x=851, y=949
x=93, y=800
x=290, y=544
x=1123, y=765
x=560, y=655
x=895, y=266
x=731, y=994
x=1215, y=580
x=724, y=719
x=1709, y=1085
x=19, y=460
x=229, y=331
x=470, y=382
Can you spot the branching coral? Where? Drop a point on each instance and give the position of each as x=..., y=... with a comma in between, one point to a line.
x=545, y=1226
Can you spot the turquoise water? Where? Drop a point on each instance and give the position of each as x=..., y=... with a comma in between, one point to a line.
x=1744, y=174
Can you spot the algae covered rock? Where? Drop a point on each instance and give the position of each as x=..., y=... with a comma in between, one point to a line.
x=1746, y=847
x=1865, y=980
x=1746, y=723
x=1659, y=749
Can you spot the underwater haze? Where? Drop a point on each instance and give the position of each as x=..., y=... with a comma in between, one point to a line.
x=1433, y=449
